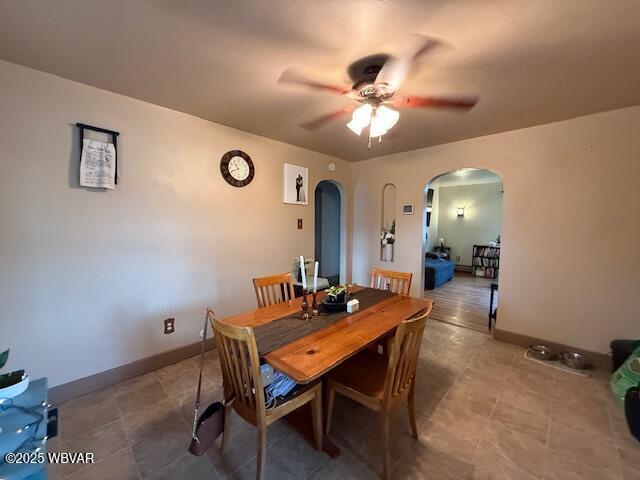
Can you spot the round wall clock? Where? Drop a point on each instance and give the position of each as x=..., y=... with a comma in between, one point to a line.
x=237, y=168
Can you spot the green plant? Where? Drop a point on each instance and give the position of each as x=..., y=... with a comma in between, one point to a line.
x=335, y=292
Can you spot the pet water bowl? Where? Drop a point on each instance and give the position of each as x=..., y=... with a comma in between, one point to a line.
x=541, y=352
x=575, y=360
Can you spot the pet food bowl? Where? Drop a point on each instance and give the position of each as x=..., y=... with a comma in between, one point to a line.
x=541, y=352
x=575, y=360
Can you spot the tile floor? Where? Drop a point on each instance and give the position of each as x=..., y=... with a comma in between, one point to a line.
x=484, y=412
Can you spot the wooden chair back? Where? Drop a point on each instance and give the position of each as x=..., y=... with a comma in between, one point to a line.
x=397, y=282
x=240, y=368
x=403, y=356
x=273, y=289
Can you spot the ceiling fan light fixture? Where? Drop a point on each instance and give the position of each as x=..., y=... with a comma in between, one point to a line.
x=360, y=119
x=355, y=127
x=388, y=117
x=379, y=120
x=377, y=127
x=362, y=115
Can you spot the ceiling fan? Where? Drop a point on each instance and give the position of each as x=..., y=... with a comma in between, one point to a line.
x=377, y=79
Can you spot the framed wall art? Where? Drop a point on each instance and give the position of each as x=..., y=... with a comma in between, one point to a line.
x=296, y=184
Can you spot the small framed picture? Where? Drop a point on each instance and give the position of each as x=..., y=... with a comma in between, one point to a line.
x=407, y=209
x=296, y=184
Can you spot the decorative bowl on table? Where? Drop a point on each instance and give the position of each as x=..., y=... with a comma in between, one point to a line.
x=333, y=306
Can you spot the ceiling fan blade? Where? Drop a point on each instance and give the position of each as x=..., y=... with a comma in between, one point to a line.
x=395, y=70
x=324, y=119
x=459, y=103
x=290, y=76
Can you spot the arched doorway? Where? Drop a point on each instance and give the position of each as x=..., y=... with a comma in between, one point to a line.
x=462, y=223
x=328, y=230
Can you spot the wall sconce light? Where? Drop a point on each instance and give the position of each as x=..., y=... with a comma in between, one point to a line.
x=460, y=211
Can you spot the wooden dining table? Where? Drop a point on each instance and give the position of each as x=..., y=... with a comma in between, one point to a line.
x=310, y=357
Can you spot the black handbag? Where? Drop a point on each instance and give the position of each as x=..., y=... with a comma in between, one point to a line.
x=210, y=425
x=632, y=411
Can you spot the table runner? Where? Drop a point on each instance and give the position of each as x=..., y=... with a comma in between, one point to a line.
x=282, y=331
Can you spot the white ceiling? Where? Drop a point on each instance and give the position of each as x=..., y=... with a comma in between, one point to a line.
x=531, y=61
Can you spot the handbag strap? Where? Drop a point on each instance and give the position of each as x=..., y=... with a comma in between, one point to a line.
x=202, y=350
x=226, y=401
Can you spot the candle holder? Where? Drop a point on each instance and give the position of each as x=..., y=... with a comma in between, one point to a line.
x=304, y=312
x=314, y=305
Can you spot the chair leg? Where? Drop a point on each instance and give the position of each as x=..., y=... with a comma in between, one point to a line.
x=330, y=397
x=386, y=462
x=262, y=452
x=226, y=428
x=316, y=412
x=412, y=412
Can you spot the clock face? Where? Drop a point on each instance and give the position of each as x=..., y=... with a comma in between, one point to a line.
x=237, y=168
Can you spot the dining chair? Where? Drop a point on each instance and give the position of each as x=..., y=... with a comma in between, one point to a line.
x=274, y=289
x=242, y=382
x=397, y=282
x=379, y=383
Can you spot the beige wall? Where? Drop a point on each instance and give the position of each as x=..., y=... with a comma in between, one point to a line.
x=87, y=277
x=570, y=267
x=480, y=224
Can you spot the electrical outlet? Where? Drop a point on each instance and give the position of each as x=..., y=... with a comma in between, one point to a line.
x=169, y=326
x=201, y=334
x=299, y=224
x=457, y=258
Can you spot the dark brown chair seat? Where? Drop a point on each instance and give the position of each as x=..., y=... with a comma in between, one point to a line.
x=365, y=372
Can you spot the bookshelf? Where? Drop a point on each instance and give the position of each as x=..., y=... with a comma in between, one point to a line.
x=486, y=260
